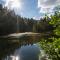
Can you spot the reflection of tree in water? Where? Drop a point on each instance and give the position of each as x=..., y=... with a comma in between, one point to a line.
x=26, y=40
x=8, y=45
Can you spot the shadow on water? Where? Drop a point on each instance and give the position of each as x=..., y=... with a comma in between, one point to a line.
x=22, y=48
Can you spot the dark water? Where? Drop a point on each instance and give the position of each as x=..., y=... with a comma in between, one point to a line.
x=25, y=48
x=28, y=52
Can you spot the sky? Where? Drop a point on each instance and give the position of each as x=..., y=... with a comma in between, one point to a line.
x=32, y=8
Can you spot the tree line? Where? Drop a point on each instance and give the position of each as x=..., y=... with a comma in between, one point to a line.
x=8, y=23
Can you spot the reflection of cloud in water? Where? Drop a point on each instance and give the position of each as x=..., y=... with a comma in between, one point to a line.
x=28, y=52
x=11, y=57
x=14, y=58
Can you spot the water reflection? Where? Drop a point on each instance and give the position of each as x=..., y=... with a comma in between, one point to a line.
x=12, y=58
x=24, y=48
x=28, y=52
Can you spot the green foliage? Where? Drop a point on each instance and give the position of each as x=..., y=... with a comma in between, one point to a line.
x=55, y=21
x=52, y=48
x=52, y=45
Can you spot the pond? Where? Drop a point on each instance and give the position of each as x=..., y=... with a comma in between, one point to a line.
x=24, y=48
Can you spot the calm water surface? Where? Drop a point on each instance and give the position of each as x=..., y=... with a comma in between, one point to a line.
x=27, y=52
x=29, y=49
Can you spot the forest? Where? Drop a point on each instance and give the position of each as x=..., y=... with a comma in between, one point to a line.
x=8, y=23
x=46, y=25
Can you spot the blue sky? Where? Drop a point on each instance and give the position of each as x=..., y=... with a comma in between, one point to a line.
x=30, y=9
x=33, y=8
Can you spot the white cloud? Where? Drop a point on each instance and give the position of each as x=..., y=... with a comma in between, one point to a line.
x=11, y=4
x=47, y=5
x=36, y=18
x=16, y=5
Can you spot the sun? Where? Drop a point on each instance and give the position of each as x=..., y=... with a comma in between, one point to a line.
x=13, y=4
